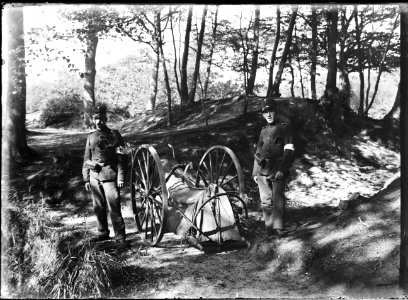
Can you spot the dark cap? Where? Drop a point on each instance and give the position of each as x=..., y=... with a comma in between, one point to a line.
x=268, y=105
x=100, y=111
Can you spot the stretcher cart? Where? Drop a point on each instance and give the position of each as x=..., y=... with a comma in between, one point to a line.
x=202, y=203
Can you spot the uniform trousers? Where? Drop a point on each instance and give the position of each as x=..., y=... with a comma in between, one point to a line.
x=272, y=201
x=106, y=198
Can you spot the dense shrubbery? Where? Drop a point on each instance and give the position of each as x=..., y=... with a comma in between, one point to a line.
x=62, y=107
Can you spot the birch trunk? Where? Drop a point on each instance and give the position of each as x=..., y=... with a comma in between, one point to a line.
x=89, y=79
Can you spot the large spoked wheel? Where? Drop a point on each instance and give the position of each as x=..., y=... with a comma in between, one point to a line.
x=149, y=194
x=220, y=167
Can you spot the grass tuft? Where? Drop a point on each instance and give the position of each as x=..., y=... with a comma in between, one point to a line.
x=84, y=269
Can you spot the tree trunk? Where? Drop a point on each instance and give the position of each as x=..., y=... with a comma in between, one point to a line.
x=368, y=78
x=394, y=113
x=278, y=77
x=14, y=135
x=380, y=69
x=313, y=54
x=332, y=17
x=254, y=63
x=360, y=61
x=89, y=76
x=175, y=53
x=273, y=57
x=245, y=66
x=183, y=84
x=344, y=75
x=298, y=51
x=403, y=271
x=198, y=57
x=166, y=76
x=301, y=80
x=292, y=74
x=151, y=104
x=214, y=35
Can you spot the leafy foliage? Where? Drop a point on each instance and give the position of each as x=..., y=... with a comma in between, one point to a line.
x=61, y=107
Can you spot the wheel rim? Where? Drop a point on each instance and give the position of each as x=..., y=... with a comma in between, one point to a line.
x=220, y=166
x=149, y=194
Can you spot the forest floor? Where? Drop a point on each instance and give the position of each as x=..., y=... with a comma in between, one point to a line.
x=344, y=204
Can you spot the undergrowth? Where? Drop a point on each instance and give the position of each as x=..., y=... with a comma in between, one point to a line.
x=83, y=269
x=45, y=261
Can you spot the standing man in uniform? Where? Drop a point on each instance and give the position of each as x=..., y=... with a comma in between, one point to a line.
x=103, y=172
x=273, y=158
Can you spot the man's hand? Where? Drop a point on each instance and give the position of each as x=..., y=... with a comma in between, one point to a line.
x=279, y=175
x=256, y=179
x=120, y=183
x=87, y=186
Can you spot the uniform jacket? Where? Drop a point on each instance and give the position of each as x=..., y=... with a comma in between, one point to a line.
x=102, y=146
x=275, y=148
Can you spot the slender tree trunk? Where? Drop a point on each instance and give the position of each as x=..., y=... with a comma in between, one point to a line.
x=298, y=52
x=313, y=54
x=278, y=77
x=380, y=69
x=403, y=271
x=175, y=54
x=166, y=76
x=15, y=112
x=245, y=66
x=360, y=61
x=301, y=80
x=214, y=35
x=89, y=76
x=254, y=63
x=332, y=17
x=275, y=48
x=368, y=78
x=151, y=104
x=198, y=57
x=292, y=75
x=183, y=85
x=344, y=75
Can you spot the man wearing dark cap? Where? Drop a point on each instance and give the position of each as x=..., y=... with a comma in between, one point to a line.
x=103, y=172
x=273, y=158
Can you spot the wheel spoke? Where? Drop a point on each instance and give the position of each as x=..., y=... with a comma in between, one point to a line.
x=152, y=223
x=138, y=175
x=158, y=210
x=146, y=164
x=211, y=169
x=141, y=171
x=226, y=173
x=206, y=169
x=220, y=166
x=229, y=180
x=147, y=219
x=156, y=176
